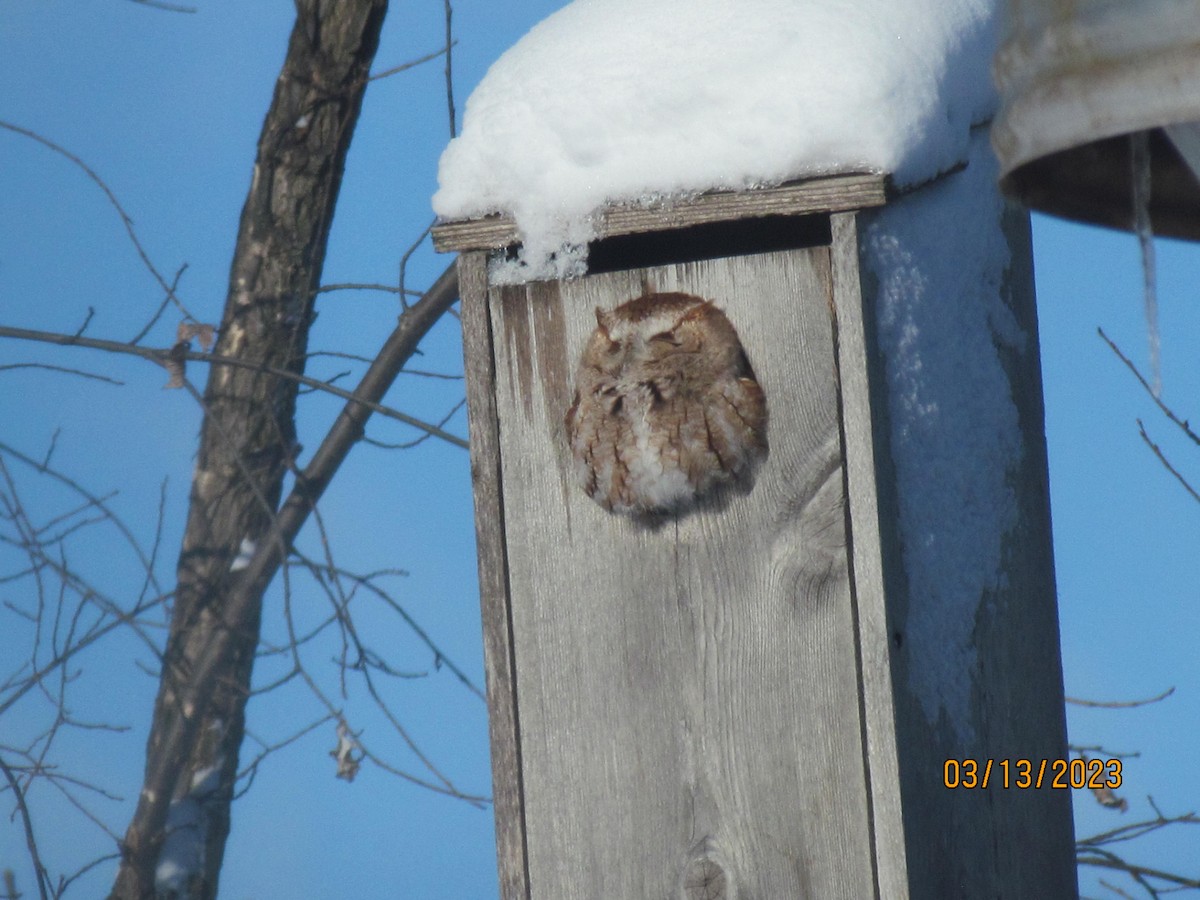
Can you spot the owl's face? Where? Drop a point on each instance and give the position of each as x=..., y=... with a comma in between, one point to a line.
x=673, y=335
x=666, y=405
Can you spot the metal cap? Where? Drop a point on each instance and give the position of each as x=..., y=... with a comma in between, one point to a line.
x=1076, y=78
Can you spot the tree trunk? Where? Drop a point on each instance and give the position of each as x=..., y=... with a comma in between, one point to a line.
x=247, y=442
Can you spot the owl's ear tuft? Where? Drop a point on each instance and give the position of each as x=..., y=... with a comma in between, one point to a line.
x=697, y=313
x=603, y=321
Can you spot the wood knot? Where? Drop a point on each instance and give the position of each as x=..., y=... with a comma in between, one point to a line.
x=704, y=880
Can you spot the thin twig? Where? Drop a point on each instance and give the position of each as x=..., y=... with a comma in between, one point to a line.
x=403, y=67
x=126, y=220
x=1166, y=410
x=160, y=519
x=45, y=464
x=43, y=877
x=86, y=321
x=169, y=7
x=440, y=658
x=1166, y=464
x=408, y=445
x=334, y=354
x=49, y=368
x=162, y=307
x=95, y=501
x=450, y=42
x=404, y=262
x=1116, y=890
x=250, y=770
x=427, y=374
x=364, y=286
x=64, y=883
x=446, y=786
x=1121, y=704
x=1103, y=751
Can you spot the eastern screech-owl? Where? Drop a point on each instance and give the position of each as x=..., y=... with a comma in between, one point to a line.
x=666, y=405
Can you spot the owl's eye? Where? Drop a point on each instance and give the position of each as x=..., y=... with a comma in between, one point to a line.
x=666, y=337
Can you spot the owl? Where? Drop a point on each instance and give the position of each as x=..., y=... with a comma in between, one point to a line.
x=666, y=406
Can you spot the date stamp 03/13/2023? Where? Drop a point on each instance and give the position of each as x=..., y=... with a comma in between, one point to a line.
x=968, y=774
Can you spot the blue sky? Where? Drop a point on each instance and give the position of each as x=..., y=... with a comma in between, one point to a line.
x=167, y=108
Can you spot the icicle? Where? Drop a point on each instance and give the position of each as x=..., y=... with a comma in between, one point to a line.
x=1140, y=146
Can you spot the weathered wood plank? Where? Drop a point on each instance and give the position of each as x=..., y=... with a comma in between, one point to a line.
x=832, y=194
x=859, y=425
x=688, y=695
x=503, y=723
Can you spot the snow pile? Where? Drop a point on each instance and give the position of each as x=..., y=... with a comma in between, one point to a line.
x=624, y=100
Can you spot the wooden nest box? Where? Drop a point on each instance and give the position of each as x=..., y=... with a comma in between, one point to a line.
x=716, y=702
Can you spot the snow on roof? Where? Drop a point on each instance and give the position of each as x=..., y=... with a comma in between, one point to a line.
x=624, y=100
